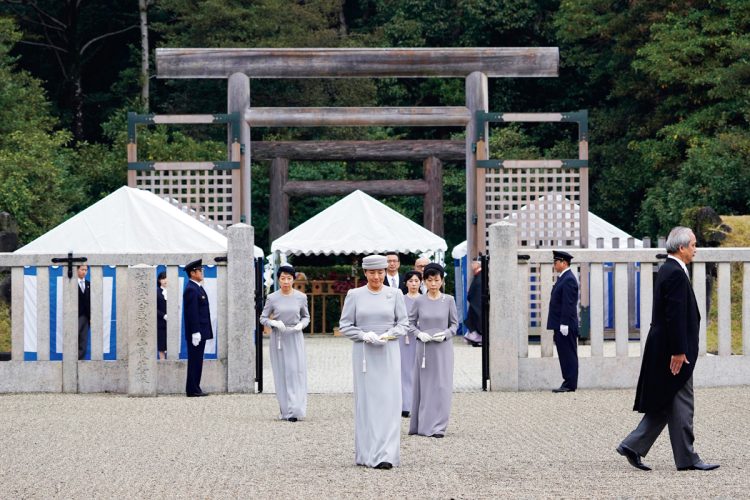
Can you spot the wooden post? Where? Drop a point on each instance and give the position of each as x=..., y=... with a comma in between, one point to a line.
x=476, y=99
x=422, y=62
x=132, y=157
x=433, y=199
x=278, y=217
x=238, y=100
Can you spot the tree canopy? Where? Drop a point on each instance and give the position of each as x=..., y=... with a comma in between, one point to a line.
x=667, y=86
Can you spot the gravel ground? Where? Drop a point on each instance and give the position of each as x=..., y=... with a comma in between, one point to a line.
x=534, y=444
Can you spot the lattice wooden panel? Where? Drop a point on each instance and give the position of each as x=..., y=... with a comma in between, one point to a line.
x=545, y=206
x=544, y=203
x=208, y=192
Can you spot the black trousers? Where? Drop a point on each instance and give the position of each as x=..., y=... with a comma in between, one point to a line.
x=83, y=336
x=567, y=351
x=194, y=367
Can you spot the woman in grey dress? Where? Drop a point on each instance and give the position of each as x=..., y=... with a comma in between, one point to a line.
x=408, y=344
x=286, y=313
x=373, y=317
x=434, y=321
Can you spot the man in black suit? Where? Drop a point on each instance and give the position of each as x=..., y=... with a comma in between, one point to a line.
x=197, y=326
x=84, y=309
x=563, y=320
x=474, y=297
x=392, y=277
x=665, y=384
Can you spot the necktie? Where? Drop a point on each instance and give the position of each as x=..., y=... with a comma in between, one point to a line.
x=82, y=286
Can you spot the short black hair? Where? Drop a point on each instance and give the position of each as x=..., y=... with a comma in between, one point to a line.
x=410, y=274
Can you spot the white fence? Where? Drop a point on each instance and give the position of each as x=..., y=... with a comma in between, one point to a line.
x=511, y=367
x=135, y=369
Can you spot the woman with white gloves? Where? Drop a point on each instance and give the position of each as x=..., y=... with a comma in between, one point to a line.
x=434, y=320
x=374, y=317
x=288, y=308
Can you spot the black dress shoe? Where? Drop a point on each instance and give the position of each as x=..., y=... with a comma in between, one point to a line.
x=405, y=414
x=701, y=465
x=633, y=458
x=384, y=465
x=562, y=388
x=292, y=419
x=438, y=435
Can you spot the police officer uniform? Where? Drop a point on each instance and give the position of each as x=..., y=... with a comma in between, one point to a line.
x=563, y=320
x=197, y=317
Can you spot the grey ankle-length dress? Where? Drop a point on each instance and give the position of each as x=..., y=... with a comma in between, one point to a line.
x=408, y=345
x=433, y=370
x=287, y=351
x=377, y=372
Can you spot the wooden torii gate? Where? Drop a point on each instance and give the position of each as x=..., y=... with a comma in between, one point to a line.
x=430, y=153
x=475, y=65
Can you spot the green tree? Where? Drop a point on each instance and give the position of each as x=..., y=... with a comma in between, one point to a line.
x=33, y=156
x=702, y=151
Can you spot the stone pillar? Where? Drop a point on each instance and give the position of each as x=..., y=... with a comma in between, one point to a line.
x=506, y=318
x=240, y=309
x=142, y=371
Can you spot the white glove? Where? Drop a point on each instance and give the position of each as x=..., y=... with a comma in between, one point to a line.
x=298, y=326
x=279, y=325
x=438, y=337
x=196, y=339
x=424, y=337
x=165, y=317
x=564, y=330
x=372, y=338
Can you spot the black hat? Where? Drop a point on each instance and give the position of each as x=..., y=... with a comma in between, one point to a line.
x=560, y=255
x=192, y=266
x=433, y=268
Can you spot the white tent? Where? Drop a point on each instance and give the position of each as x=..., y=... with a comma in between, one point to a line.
x=358, y=224
x=598, y=228
x=130, y=221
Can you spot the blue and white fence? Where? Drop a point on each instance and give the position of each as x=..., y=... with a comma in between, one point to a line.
x=44, y=323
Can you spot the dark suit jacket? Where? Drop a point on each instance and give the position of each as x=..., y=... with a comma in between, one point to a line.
x=474, y=316
x=161, y=310
x=84, y=300
x=196, y=312
x=563, y=304
x=674, y=330
x=401, y=282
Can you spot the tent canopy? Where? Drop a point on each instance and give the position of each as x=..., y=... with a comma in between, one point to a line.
x=598, y=227
x=130, y=221
x=358, y=224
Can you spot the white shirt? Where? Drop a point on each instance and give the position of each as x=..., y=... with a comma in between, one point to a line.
x=82, y=285
x=393, y=280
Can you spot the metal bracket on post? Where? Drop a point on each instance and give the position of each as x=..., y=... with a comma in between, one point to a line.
x=233, y=120
x=580, y=117
x=69, y=260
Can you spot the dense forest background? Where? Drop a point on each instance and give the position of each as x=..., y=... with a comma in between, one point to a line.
x=667, y=86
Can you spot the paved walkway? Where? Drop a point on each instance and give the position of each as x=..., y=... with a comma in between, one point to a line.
x=329, y=365
x=498, y=445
